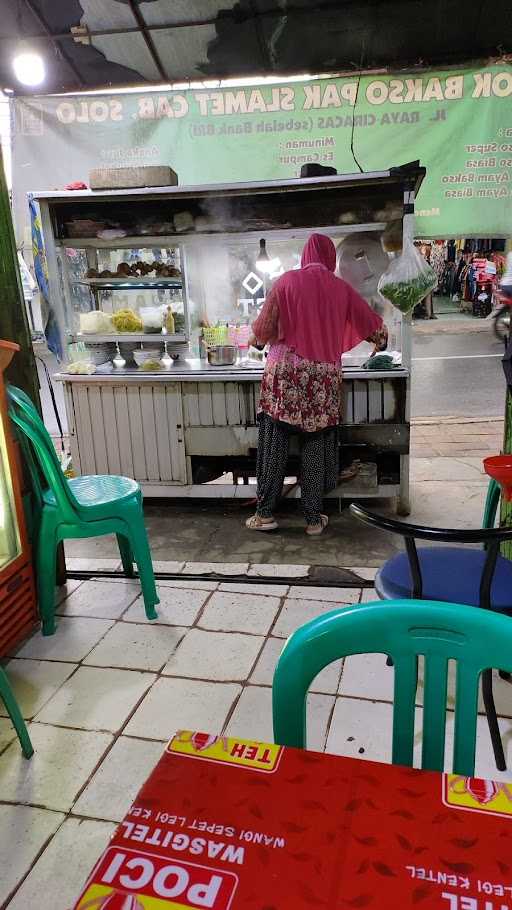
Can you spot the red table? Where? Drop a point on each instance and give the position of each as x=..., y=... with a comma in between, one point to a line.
x=229, y=823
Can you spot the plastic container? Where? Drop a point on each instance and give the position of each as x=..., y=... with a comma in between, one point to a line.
x=152, y=319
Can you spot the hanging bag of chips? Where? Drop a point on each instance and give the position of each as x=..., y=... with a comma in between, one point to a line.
x=408, y=279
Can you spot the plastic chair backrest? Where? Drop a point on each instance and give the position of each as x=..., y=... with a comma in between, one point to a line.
x=24, y=415
x=404, y=630
x=32, y=465
x=491, y=503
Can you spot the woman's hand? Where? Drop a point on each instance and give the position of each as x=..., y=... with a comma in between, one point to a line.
x=380, y=339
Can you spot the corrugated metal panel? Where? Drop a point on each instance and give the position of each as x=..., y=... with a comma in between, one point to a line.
x=132, y=430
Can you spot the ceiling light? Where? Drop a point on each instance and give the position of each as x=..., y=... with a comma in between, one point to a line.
x=29, y=68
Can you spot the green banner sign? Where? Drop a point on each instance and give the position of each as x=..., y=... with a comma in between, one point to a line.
x=458, y=123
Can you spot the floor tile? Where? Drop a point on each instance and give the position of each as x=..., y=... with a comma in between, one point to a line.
x=215, y=655
x=62, y=763
x=119, y=778
x=163, y=565
x=252, y=717
x=24, y=833
x=326, y=681
x=102, y=599
x=7, y=732
x=367, y=676
x=53, y=883
x=270, y=570
x=239, y=613
x=74, y=638
x=333, y=595
x=366, y=572
x=96, y=699
x=190, y=584
x=64, y=591
x=369, y=595
x=88, y=564
x=297, y=612
x=34, y=682
x=258, y=588
x=220, y=568
x=136, y=647
x=361, y=729
x=182, y=704
x=176, y=607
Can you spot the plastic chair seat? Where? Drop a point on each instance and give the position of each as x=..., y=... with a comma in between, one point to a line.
x=98, y=490
x=450, y=574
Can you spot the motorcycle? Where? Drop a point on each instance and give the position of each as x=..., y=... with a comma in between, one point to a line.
x=501, y=321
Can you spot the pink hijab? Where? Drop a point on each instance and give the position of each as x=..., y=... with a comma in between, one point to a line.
x=320, y=315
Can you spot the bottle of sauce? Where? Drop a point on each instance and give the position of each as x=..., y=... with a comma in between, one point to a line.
x=169, y=322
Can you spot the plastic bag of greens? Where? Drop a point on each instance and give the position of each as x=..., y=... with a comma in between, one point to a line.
x=407, y=280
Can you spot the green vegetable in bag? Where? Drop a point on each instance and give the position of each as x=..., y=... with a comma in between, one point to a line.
x=407, y=280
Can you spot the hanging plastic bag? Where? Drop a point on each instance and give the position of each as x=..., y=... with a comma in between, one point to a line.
x=407, y=280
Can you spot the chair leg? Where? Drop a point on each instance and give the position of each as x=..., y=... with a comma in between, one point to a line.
x=46, y=573
x=142, y=554
x=126, y=555
x=15, y=714
x=492, y=720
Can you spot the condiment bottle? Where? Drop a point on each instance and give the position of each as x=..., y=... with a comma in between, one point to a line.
x=169, y=322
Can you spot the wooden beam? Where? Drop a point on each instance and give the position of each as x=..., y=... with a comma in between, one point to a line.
x=150, y=44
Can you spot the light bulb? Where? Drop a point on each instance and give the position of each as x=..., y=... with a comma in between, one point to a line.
x=29, y=68
x=263, y=262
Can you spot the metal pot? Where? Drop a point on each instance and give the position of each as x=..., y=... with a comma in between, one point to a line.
x=222, y=355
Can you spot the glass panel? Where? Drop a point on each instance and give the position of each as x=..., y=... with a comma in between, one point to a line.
x=10, y=546
x=226, y=284
x=144, y=264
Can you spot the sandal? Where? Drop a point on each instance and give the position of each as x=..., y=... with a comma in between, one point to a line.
x=316, y=530
x=257, y=523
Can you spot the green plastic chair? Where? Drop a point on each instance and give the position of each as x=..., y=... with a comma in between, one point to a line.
x=404, y=629
x=14, y=713
x=88, y=506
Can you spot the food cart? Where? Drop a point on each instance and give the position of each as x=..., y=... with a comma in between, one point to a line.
x=190, y=428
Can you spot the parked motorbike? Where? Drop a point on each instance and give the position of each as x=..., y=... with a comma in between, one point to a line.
x=501, y=321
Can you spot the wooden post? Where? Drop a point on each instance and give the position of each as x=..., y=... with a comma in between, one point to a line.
x=13, y=315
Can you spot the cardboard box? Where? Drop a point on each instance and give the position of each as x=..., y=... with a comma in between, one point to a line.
x=231, y=824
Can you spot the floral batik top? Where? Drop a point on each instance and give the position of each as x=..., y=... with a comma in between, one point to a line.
x=303, y=393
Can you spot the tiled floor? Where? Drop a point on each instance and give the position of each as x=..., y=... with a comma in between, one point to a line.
x=105, y=692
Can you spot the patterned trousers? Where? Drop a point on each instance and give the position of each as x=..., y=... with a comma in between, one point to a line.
x=318, y=466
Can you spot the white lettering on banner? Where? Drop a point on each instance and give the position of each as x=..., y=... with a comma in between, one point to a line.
x=221, y=103
x=173, y=108
x=406, y=91
x=486, y=85
x=89, y=111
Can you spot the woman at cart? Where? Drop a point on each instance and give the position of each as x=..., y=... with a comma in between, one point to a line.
x=309, y=319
